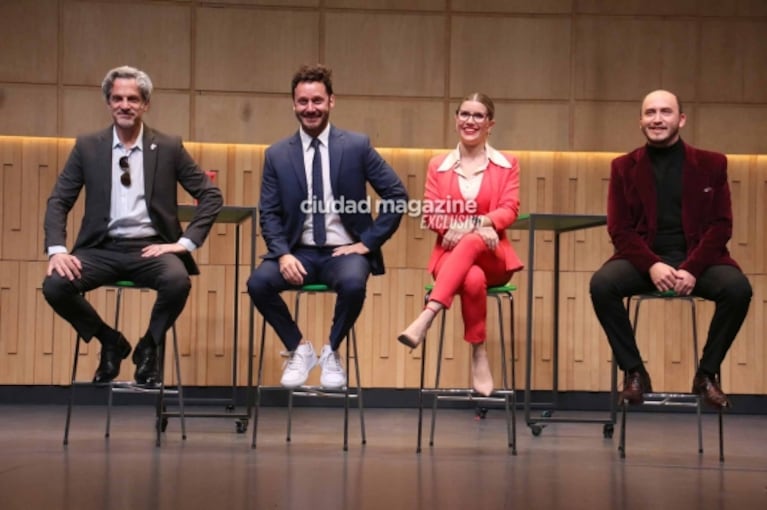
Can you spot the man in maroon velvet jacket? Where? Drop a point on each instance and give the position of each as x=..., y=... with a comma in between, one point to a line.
x=669, y=217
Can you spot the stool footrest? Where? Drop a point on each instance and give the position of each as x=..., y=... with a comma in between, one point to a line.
x=314, y=391
x=131, y=387
x=318, y=391
x=467, y=394
x=671, y=399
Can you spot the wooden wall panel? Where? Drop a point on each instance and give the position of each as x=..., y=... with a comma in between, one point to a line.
x=551, y=182
x=159, y=35
x=416, y=5
x=28, y=110
x=624, y=58
x=742, y=134
x=530, y=125
x=523, y=58
x=248, y=35
x=30, y=45
x=418, y=120
x=611, y=126
x=30, y=166
x=560, y=70
x=380, y=60
x=239, y=118
x=520, y=6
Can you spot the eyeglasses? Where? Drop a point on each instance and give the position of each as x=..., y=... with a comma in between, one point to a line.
x=125, y=167
x=475, y=116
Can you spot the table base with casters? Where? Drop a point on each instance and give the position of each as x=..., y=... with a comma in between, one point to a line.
x=559, y=224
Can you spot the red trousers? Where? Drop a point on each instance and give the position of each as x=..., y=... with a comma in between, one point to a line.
x=469, y=269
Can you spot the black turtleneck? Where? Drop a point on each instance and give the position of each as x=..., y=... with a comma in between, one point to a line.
x=667, y=166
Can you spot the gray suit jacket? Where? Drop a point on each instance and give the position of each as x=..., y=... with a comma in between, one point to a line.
x=166, y=164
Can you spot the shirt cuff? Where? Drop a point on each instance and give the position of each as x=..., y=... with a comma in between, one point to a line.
x=53, y=250
x=188, y=244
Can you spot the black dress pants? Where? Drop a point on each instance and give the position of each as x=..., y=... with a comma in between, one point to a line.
x=725, y=285
x=120, y=260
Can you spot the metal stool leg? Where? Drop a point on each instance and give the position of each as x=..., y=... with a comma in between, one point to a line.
x=435, y=401
x=360, y=403
x=259, y=382
x=420, y=395
x=179, y=384
x=510, y=412
x=72, y=390
x=161, y=413
x=110, y=397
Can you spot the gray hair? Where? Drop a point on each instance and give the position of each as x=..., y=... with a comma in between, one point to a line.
x=142, y=79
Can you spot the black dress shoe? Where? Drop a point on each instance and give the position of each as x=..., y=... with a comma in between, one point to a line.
x=635, y=385
x=112, y=355
x=706, y=387
x=145, y=358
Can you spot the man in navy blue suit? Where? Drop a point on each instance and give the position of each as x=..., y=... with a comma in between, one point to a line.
x=317, y=223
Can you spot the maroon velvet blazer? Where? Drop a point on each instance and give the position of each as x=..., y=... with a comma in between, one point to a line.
x=706, y=210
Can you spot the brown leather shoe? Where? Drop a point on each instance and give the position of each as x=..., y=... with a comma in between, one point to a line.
x=635, y=385
x=707, y=388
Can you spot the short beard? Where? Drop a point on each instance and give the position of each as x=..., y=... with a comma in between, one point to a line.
x=664, y=142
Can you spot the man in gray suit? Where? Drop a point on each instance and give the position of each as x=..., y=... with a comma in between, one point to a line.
x=130, y=228
x=317, y=223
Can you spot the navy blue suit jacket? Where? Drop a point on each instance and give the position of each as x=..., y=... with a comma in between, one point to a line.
x=353, y=164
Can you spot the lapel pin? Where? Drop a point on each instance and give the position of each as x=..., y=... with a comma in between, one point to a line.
x=153, y=147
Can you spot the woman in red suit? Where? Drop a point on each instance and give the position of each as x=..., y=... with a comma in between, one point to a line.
x=471, y=197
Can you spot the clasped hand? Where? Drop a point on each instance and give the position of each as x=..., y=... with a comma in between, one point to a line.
x=666, y=278
x=293, y=271
x=454, y=235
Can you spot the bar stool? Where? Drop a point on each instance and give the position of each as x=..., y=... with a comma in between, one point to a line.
x=160, y=390
x=668, y=399
x=314, y=391
x=506, y=395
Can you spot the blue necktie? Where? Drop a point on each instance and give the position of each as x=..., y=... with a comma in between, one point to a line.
x=318, y=217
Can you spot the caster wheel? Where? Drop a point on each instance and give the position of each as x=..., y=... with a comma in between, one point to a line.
x=607, y=431
x=536, y=430
x=481, y=413
x=547, y=414
x=242, y=426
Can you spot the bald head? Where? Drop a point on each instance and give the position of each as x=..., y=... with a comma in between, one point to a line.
x=662, y=95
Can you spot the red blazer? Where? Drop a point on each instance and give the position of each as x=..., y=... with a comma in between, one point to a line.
x=706, y=210
x=504, y=203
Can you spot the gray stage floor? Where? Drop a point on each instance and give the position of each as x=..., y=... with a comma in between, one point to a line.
x=570, y=466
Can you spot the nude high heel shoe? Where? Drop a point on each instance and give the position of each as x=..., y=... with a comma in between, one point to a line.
x=481, y=376
x=416, y=331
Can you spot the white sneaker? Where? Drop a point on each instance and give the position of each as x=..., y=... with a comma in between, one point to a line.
x=333, y=375
x=297, y=367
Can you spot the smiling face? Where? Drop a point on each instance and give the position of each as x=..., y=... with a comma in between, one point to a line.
x=312, y=105
x=473, y=123
x=126, y=104
x=660, y=119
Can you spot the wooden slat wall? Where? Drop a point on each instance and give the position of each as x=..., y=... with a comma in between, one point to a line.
x=36, y=346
